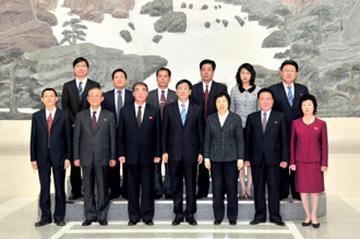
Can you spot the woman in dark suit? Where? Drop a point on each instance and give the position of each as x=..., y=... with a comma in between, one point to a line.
x=309, y=157
x=224, y=154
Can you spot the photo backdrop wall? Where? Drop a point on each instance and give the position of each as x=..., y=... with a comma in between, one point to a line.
x=40, y=38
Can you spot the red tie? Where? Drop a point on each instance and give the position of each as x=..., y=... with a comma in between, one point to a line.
x=206, y=98
x=49, y=121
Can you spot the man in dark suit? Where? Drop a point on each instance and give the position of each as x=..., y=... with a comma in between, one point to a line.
x=266, y=151
x=95, y=150
x=159, y=98
x=73, y=100
x=182, y=144
x=114, y=100
x=287, y=96
x=139, y=148
x=50, y=148
x=203, y=94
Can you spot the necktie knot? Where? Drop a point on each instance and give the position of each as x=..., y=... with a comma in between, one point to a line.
x=94, y=114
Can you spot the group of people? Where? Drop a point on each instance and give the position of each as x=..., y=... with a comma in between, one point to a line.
x=196, y=131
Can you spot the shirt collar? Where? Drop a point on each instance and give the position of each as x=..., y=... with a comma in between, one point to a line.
x=137, y=106
x=53, y=112
x=166, y=91
x=209, y=85
x=83, y=81
x=286, y=85
x=122, y=91
x=250, y=90
x=97, y=111
x=186, y=103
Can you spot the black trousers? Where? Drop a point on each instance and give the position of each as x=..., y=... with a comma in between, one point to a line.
x=162, y=186
x=140, y=177
x=287, y=181
x=224, y=177
x=96, y=209
x=179, y=171
x=266, y=175
x=75, y=176
x=114, y=179
x=44, y=172
x=203, y=181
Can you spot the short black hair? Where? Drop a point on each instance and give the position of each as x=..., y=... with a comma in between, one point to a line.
x=48, y=89
x=140, y=83
x=249, y=68
x=118, y=70
x=308, y=97
x=208, y=61
x=184, y=81
x=163, y=69
x=94, y=88
x=223, y=94
x=265, y=90
x=80, y=59
x=290, y=62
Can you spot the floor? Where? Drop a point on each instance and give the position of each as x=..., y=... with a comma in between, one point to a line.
x=18, y=206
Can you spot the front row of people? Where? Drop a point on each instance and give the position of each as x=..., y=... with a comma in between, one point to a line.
x=180, y=142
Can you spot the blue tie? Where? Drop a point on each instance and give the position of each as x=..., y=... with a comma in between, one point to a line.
x=183, y=114
x=290, y=96
x=80, y=89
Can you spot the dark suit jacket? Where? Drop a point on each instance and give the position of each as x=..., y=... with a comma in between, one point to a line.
x=182, y=141
x=139, y=143
x=153, y=97
x=197, y=96
x=109, y=100
x=94, y=147
x=224, y=144
x=60, y=140
x=273, y=144
x=70, y=100
x=281, y=103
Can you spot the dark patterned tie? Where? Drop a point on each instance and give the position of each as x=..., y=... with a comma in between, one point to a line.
x=138, y=116
x=264, y=122
x=206, y=98
x=80, y=90
x=94, y=120
x=162, y=102
x=119, y=105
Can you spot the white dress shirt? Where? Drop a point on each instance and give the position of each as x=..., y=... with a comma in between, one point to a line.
x=222, y=119
x=209, y=86
x=97, y=113
x=83, y=83
x=142, y=110
x=53, y=112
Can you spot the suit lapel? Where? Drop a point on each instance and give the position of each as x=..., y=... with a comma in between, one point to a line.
x=127, y=97
x=228, y=120
x=100, y=120
x=156, y=100
x=112, y=102
x=297, y=95
x=43, y=119
x=177, y=114
x=56, y=118
x=283, y=95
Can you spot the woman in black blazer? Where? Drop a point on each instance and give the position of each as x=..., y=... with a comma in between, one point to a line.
x=224, y=154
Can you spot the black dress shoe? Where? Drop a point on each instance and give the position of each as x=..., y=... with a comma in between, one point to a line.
x=60, y=223
x=168, y=196
x=232, y=222
x=305, y=224
x=177, y=221
x=279, y=223
x=149, y=222
x=316, y=225
x=133, y=222
x=201, y=196
x=191, y=221
x=158, y=196
x=113, y=196
x=217, y=222
x=103, y=222
x=75, y=196
x=88, y=222
x=42, y=223
x=256, y=221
